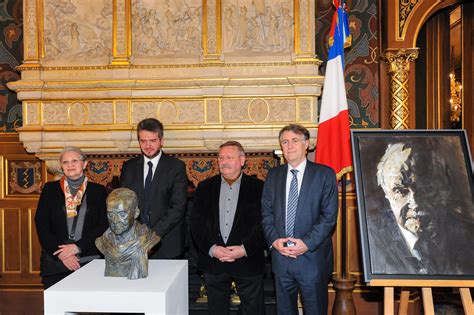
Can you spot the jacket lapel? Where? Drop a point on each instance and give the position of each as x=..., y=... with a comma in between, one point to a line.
x=282, y=191
x=140, y=190
x=160, y=169
x=214, y=211
x=240, y=201
x=304, y=192
x=60, y=200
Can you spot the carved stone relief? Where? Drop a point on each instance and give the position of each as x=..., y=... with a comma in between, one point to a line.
x=101, y=113
x=32, y=113
x=304, y=27
x=162, y=27
x=76, y=34
x=212, y=111
x=304, y=107
x=257, y=26
x=211, y=45
x=258, y=110
x=32, y=38
x=121, y=112
x=235, y=71
x=78, y=113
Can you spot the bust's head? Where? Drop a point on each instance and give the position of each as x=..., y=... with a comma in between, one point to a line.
x=122, y=210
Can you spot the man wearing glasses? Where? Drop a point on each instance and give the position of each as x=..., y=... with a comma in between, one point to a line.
x=226, y=225
x=299, y=210
x=161, y=186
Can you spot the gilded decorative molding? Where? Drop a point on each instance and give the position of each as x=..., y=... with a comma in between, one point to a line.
x=212, y=35
x=405, y=8
x=122, y=28
x=301, y=62
x=304, y=27
x=398, y=62
x=31, y=37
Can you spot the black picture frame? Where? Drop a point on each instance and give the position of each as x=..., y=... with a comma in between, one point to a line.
x=426, y=170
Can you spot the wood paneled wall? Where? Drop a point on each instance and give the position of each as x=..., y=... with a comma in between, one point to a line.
x=19, y=247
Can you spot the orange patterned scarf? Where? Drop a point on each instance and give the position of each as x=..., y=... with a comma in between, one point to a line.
x=72, y=201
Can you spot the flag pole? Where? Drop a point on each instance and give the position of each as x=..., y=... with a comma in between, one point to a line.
x=343, y=282
x=344, y=270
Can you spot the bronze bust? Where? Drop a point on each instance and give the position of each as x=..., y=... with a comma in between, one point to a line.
x=126, y=242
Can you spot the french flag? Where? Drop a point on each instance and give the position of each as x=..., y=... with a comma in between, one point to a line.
x=333, y=147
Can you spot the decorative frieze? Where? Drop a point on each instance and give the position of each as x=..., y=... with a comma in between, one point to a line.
x=210, y=70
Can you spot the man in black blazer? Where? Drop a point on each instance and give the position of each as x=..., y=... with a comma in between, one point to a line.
x=298, y=225
x=226, y=226
x=161, y=186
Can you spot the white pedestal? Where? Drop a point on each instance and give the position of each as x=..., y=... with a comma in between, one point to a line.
x=164, y=291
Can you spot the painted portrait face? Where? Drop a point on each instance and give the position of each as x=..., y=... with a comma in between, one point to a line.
x=120, y=216
x=395, y=175
x=72, y=165
x=230, y=161
x=294, y=147
x=150, y=143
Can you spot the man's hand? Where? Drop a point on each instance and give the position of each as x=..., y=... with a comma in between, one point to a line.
x=236, y=253
x=222, y=253
x=71, y=263
x=299, y=247
x=278, y=244
x=294, y=251
x=229, y=253
x=66, y=251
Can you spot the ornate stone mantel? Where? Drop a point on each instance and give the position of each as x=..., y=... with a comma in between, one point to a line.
x=209, y=70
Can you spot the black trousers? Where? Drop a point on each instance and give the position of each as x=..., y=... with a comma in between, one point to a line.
x=250, y=290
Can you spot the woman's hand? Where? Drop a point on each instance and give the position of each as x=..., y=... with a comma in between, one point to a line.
x=71, y=263
x=66, y=251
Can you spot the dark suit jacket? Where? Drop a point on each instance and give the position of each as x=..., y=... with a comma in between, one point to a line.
x=168, y=201
x=51, y=223
x=246, y=228
x=315, y=218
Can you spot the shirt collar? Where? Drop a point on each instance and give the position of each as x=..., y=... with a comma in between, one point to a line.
x=300, y=167
x=154, y=160
x=237, y=181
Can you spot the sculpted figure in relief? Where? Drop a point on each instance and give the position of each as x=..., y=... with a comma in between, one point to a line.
x=258, y=28
x=166, y=28
x=72, y=32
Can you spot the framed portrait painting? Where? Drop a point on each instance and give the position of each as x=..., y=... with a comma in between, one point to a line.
x=415, y=204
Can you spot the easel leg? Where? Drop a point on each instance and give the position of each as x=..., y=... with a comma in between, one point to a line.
x=404, y=297
x=427, y=301
x=466, y=301
x=388, y=305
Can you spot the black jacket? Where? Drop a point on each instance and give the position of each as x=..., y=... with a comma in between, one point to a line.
x=51, y=223
x=168, y=201
x=246, y=228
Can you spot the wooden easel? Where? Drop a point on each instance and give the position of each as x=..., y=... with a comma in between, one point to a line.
x=426, y=292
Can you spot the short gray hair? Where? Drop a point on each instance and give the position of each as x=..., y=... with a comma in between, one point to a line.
x=72, y=149
x=236, y=144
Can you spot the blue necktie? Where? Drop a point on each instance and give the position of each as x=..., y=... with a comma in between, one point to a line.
x=292, y=205
x=147, y=199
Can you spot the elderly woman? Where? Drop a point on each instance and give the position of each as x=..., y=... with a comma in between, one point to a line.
x=71, y=214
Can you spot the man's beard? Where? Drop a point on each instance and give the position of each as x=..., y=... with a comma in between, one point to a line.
x=151, y=156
